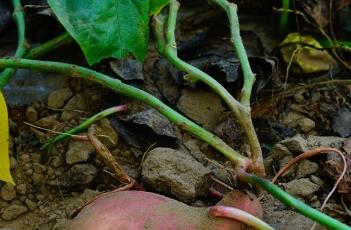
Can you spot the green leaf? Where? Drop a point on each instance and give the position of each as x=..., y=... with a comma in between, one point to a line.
x=106, y=28
x=5, y=174
x=157, y=5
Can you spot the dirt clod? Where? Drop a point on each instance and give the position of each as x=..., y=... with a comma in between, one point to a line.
x=301, y=187
x=58, y=98
x=78, y=151
x=13, y=211
x=8, y=192
x=305, y=168
x=174, y=172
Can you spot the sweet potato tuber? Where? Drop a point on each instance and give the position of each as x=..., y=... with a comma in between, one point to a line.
x=143, y=210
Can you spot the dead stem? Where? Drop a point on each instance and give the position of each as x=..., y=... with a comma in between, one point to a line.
x=107, y=157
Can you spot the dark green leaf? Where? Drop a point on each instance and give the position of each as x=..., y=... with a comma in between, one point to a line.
x=106, y=28
x=157, y=5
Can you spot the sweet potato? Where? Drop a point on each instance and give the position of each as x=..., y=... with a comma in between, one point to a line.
x=143, y=210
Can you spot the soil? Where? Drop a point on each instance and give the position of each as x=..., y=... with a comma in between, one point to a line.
x=291, y=116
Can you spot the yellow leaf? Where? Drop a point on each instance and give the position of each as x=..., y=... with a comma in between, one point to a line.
x=5, y=174
x=305, y=55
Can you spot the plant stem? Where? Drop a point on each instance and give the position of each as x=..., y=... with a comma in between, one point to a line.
x=18, y=16
x=48, y=46
x=249, y=76
x=168, y=48
x=294, y=203
x=284, y=16
x=130, y=91
x=249, y=79
x=239, y=215
x=85, y=124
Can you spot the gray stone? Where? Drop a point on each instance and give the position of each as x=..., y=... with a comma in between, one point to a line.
x=78, y=151
x=174, y=172
x=326, y=141
x=296, y=144
x=8, y=192
x=301, y=187
x=80, y=175
x=58, y=98
x=305, y=168
x=13, y=211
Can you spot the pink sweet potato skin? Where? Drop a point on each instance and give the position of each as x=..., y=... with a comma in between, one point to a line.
x=135, y=210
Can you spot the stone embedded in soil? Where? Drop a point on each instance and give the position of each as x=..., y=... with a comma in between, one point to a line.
x=280, y=151
x=291, y=119
x=31, y=114
x=291, y=171
x=21, y=189
x=30, y=204
x=299, y=143
x=80, y=175
x=174, y=172
x=78, y=151
x=306, y=168
x=48, y=122
x=8, y=192
x=324, y=141
x=13, y=211
x=301, y=187
x=204, y=107
x=296, y=144
x=306, y=124
x=58, y=98
x=74, y=108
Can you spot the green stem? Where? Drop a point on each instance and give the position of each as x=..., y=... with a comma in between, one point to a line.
x=168, y=48
x=130, y=91
x=294, y=203
x=49, y=46
x=249, y=79
x=18, y=16
x=284, y=16
x=85, y=124
x=249, y=76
